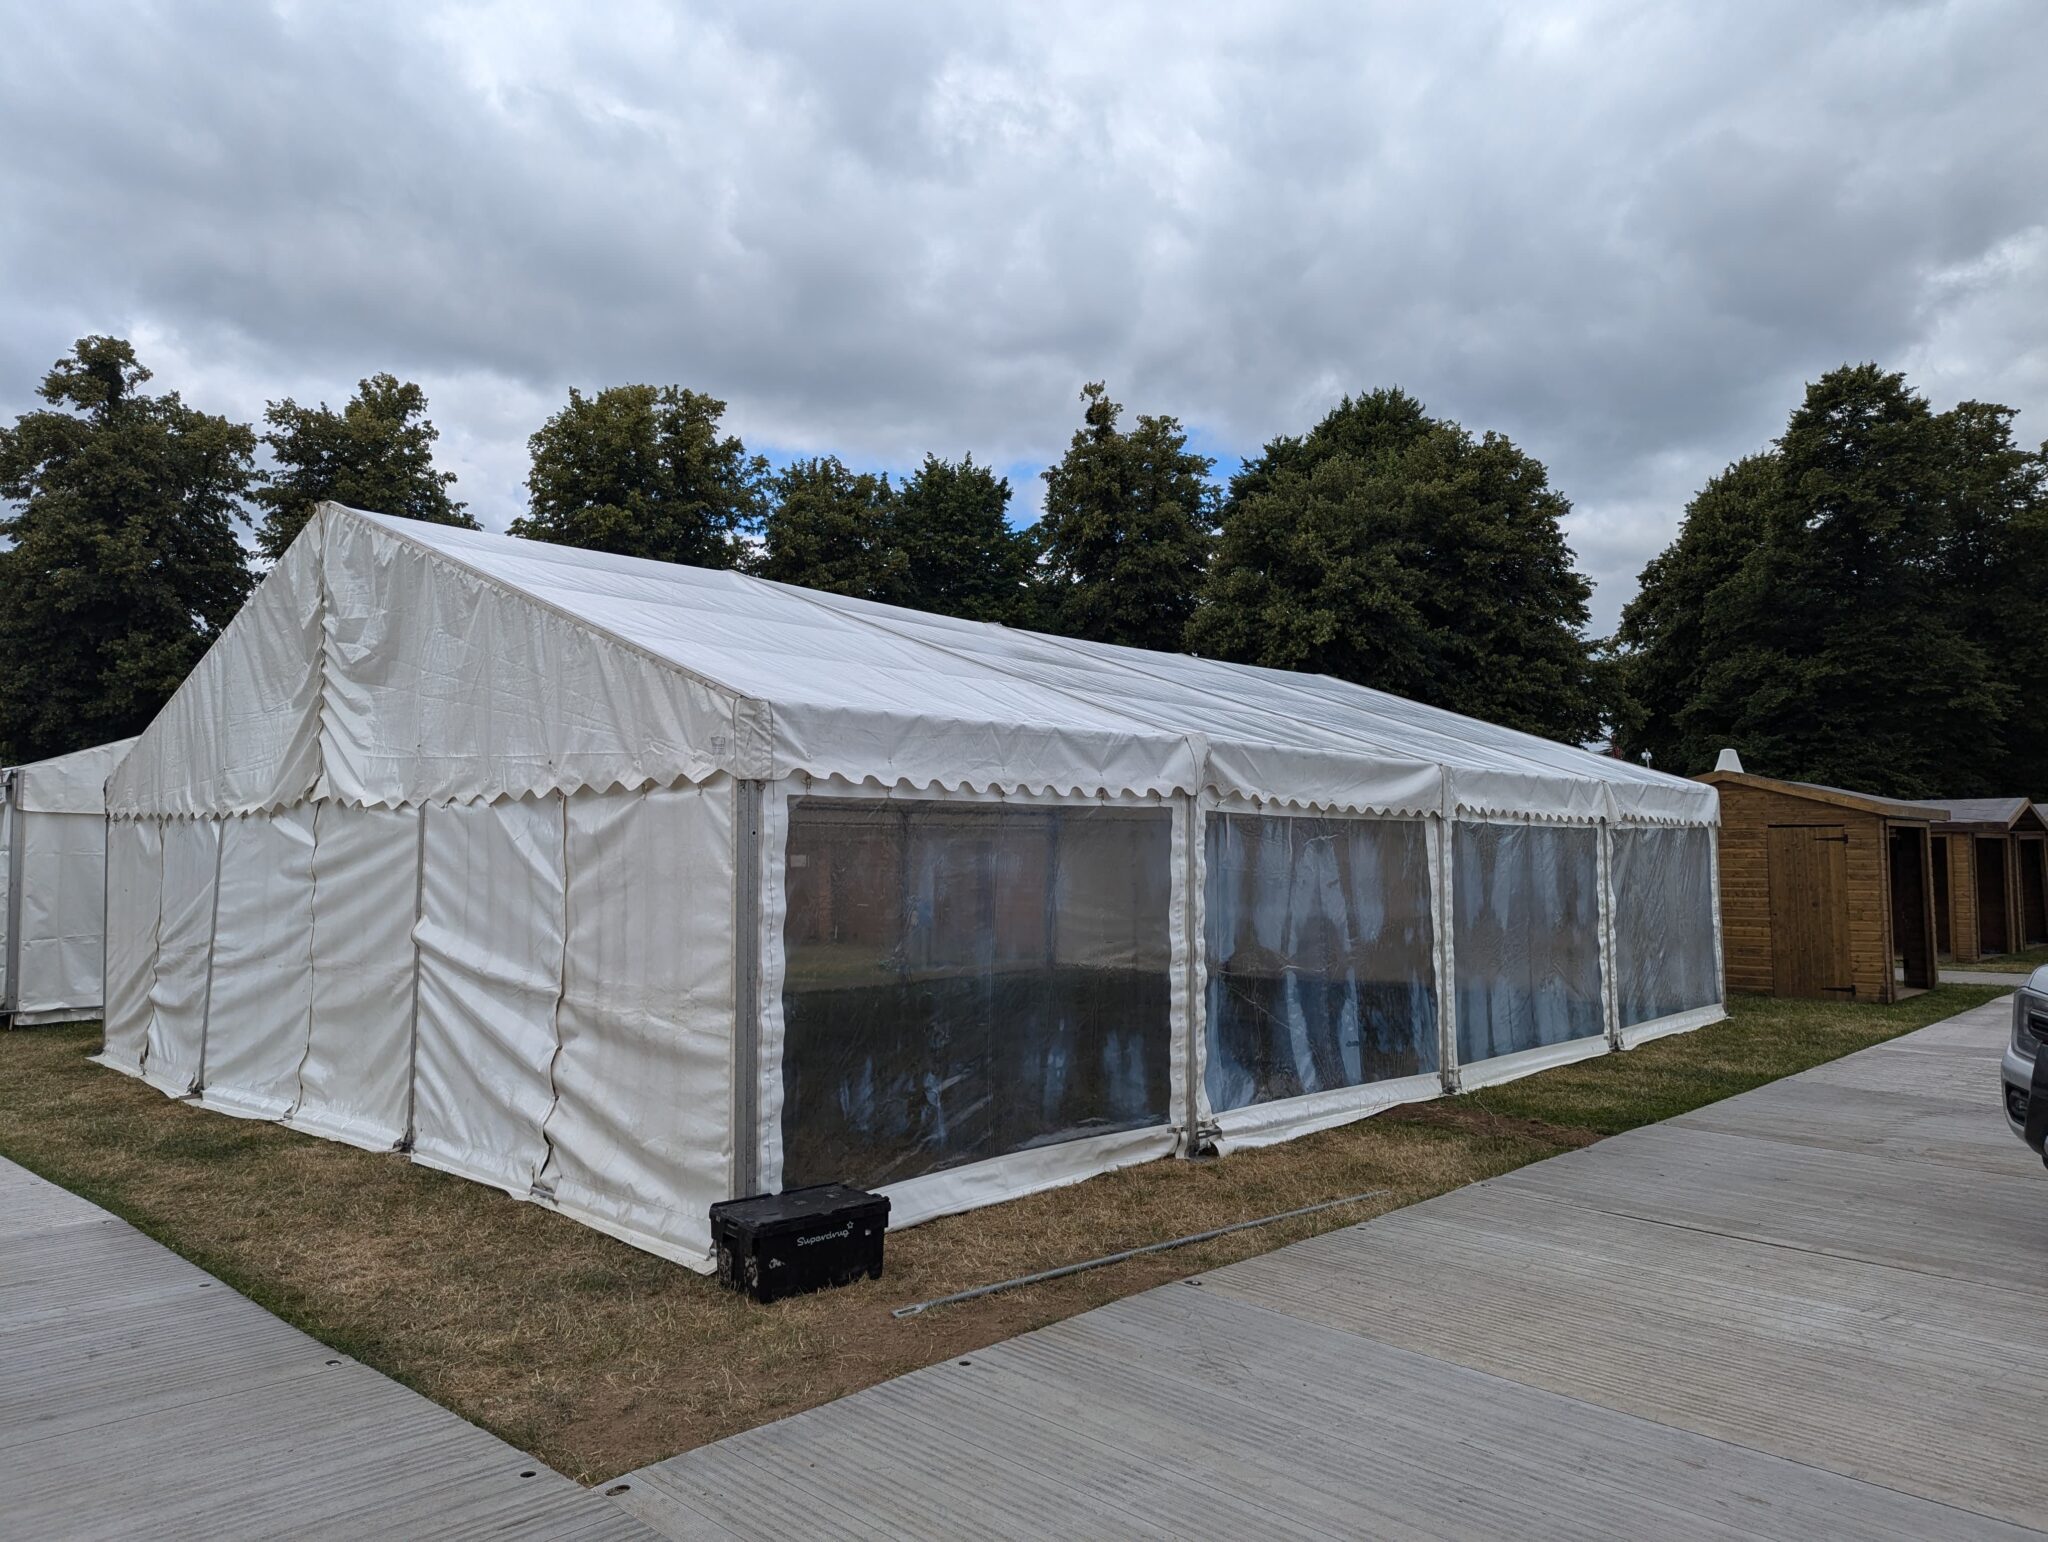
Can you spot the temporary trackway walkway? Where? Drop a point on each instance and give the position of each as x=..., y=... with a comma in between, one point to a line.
x=1818, y=1309
x=139, y=1397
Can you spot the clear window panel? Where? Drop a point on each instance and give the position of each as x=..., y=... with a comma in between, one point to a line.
x=1663, y=922
x=1319, y=947
x=962, y=981
x=1527, y=939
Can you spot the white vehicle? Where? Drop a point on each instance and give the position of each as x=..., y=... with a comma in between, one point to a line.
x=2024, y=1068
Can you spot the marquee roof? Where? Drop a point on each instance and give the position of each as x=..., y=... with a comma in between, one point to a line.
x=385, y=662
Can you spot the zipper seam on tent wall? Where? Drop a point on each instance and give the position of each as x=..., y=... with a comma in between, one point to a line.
x=156, y=950
x=541, y=1184
x=412, y=1047
x=312, y=956
x=220, y=840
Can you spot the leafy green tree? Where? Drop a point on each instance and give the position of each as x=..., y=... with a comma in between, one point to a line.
x=1394, y=549
x=1662, y=644
x=830, y=528
x=958, y=554
x=123, y=562
x=641, y=470
x=377, y=453
x=1819, y=618
x=1995, y=564
x=1124, y=540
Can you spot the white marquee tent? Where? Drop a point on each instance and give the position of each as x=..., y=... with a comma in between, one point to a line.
x=628, y=887
x=53, y=869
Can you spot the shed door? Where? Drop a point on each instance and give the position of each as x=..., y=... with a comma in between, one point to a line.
x=2033, y=857
x=1994, y=907
x=1810, y=911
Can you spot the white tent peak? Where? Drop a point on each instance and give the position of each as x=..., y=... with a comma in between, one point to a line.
x=72, y=783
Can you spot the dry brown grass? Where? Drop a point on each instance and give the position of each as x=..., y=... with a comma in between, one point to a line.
x=598, y=1359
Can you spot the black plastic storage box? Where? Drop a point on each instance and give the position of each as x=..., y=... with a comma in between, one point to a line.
x=787, y=1244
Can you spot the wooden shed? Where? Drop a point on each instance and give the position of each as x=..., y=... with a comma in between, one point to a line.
x=1824, y=893
x=1991, y=877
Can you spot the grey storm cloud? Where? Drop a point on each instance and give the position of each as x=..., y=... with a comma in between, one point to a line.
x=1622, y=234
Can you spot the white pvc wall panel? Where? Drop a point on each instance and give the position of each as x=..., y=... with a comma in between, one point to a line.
x=1665, y=962
x=63, y=912
x=262, y=963
x=1527, y=940
x=640, y=1138
x=177, y=993
x=364, y=892
x=135, y=850
x=490, y=936
x=1318, y=956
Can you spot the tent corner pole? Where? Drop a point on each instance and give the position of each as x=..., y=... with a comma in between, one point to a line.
x=10, y=997
x=1445, y=953
x=1610, y=987
x=746, y=988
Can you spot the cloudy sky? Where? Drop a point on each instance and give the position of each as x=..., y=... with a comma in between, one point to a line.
x=1622, y=234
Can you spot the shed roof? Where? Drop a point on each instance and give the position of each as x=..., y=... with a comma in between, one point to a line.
x=1992, y=813
x=385, y=661
x=1839, y=797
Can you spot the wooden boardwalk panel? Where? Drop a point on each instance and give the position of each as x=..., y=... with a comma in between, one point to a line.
x=1820, y=1309
x=141, y=1397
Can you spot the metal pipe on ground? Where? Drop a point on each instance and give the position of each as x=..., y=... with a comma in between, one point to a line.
x=1107, y=1259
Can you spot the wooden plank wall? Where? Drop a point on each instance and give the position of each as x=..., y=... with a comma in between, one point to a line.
x=1747, y=813
x=1962, y=900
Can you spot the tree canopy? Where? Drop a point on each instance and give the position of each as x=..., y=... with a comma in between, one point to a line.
x=1850, y=606
x=959, y=556
x=1663, y=638
x=377, y=453
x=1124, y=540
x=123, y=561
x=833, y=529
x=642, y=470
x=1396, y=550
x=1857, y=604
